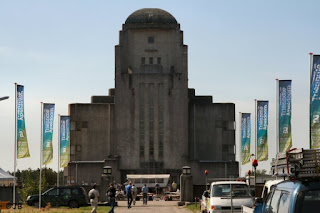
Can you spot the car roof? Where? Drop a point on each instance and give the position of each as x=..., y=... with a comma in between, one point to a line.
x=228, y=182
x=270, y=183
x=292, y=185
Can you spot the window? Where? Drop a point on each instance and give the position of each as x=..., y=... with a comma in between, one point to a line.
x=150, y=39
x=159, y=60
x=151, y=120
x=143, y=60
x=141, y=118
x=150, y=60
x=284, y=202
x=75, y=191
x=273, y=208
x=65, y=192
x=308, y=201
x=160, y=118
x=53, y=192
x=223, y=190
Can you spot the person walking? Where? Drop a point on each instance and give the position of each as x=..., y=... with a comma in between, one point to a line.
x=134, y=193
x=129, y=194
x=111, y=193
x=145, y=194
x=94, y=197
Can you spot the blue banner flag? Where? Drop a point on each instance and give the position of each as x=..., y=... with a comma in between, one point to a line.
x=245, y=137
x=48, y=116
x=262, y=130
x=285, y=136
x=64, y=141
x=22, y=142
x=315, y=104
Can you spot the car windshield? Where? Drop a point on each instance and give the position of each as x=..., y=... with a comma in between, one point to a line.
x=308, y=201
x=223, y=190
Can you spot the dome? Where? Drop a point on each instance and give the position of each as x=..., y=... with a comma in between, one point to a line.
x=151, y=15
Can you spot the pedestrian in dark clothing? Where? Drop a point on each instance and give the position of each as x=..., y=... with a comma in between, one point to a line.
x=145, y=194
x=129, y=194
x=111, y=193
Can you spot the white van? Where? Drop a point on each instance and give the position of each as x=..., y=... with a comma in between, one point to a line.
x=220, y=199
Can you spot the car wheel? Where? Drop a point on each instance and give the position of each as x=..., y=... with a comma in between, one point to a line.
x=73, y=204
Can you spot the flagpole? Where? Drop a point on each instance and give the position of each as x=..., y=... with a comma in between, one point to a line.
x=240, y=149
x=255, y=127
x=59, y=118
x=41, y=150
x=277, y=117
x=311, y=54
x=15, y=147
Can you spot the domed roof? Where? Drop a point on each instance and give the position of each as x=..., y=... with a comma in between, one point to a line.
x=150, y=15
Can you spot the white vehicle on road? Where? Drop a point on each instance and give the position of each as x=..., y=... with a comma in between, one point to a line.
x=224, y=194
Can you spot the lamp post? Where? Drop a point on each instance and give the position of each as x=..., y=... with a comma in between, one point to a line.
x=255, y=164
x=206, y=172
x=4, y=98
x=107, y=170
x=106, y=179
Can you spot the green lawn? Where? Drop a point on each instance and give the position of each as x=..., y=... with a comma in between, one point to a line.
x=194, y=207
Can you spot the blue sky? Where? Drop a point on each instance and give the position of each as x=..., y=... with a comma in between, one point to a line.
x=63, y=52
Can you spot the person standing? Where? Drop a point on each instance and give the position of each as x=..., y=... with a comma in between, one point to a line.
x=94, y=197
x=129, y=194
x=145, y=194
x=134, y=193
x=174, y=186
x=111, y=193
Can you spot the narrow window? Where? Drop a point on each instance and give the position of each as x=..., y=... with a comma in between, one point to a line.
x=159, y=60
x=150, y=39
x=143, y=60
x=150, y=60
x=151, y=121
x=141, y=119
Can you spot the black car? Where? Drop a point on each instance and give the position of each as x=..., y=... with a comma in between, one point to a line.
x=72, y=196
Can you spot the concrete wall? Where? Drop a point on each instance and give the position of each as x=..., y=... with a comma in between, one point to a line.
x=211, y=131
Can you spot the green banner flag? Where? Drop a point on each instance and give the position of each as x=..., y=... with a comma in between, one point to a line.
x=22, y=142
x=245, y=138
x=64, y=141
x=48, y=116
x=285, y=136
x=315, y=104
x=262, y=130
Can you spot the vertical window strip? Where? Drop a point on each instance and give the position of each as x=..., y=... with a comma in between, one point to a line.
x=160, y=118
x=141, y=118
x=151, y=120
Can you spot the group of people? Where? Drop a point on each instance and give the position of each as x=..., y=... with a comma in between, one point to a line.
x=131, y=194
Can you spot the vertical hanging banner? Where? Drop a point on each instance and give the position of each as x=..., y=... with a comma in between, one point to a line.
x=262, y=130
x=48, y=116
x=315, y=103
x=245, y=137
x=64, y=141
x=22, y=142
x=285, y=136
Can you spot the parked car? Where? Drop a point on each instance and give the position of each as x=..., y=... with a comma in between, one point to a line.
x=293, y=197
x=72, y=196
x=224, y=194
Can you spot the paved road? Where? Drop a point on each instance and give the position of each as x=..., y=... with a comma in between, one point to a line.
x=153, y=207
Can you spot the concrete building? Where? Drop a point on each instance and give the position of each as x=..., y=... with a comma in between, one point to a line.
x=151, y=122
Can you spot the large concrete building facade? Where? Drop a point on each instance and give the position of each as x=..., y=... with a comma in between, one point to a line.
x=151, y=122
